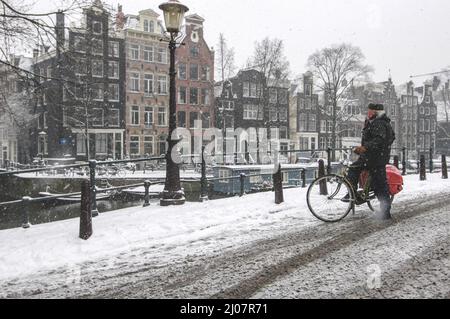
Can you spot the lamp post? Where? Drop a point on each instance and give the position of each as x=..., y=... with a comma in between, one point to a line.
x=42, y=136
x=173, y=16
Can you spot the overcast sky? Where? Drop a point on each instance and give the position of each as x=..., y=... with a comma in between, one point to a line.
x=407, y=36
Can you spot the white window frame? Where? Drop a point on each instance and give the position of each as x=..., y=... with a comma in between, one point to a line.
x=135, y=116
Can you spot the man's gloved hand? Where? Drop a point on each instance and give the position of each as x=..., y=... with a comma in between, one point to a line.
x=360, y=150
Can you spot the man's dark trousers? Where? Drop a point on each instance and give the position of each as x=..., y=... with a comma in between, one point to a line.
x=379, y=184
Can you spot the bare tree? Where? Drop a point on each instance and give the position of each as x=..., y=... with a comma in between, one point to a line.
x=336, y=68
x=224, y=59
x=269, y=58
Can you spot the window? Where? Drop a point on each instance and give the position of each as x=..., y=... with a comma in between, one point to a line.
x=49, y=73
x=97, y=68
x=134, y=52
x=149, y=145
x=162, y=84
x=283, y=114
x=148, y=84
x=427, y=99
x=312, y=123
x=135, y=115
x=161, y=55
x=113, y=49
x=308, y=90
x=148, y=54
x=97, y=27
x=206, y=120
x=97, y=46
x=101, y=143
x=81, y=144
x=304, y=143
x=152, y=27
x=253, y=112
x=181, y=119
x=421, y=125
x=182, y=71
x=302, y=122
x=134, y=145
x=205, y=97
x=193, y=96
x=427, y=125
x=194, y=72
x=224, y=173
x=323, y=126
x=114, y=118
x=194, y=51
x=193, y=116
x=146, y=26
x=148, y=116
x=113, y=92
x=97, y=92
x=323, y=143
x=97, y=117
x=393, y=110
x=273, y=97
x=80, y=67
x=273, y=115
x=182, y=95
x=422, y=110
x=113, y=69
x=79, y=44
x=246, y=89
x=283, y=132
x=205, y=73
x=283, y=97
x=427, y=111
x=134, y=82
x=162, y=116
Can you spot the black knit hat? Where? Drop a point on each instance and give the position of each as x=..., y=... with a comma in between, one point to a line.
x=376, y=107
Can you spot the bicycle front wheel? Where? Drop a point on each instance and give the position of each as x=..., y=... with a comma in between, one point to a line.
x=330, y=198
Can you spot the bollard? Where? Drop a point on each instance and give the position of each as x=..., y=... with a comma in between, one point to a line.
x=85, y=214
x=147, y=194
x=329, y=161
x=323, y=185
x=423, y=174
x=25, y=211
x=92, y=166
x=242, y=181
x=203, y=179
x=431, y=161
x=444, y=167
x=396, y=161
x=303, y=177
x=404, y=161
x=278, y=186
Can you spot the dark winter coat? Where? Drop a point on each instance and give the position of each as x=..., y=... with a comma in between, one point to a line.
x=377, y=138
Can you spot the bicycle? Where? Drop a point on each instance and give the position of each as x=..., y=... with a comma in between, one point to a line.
x=326, y=196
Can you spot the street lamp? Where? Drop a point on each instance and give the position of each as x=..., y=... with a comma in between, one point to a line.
x=173, y=16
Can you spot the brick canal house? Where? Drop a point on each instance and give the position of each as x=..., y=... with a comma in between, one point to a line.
x=195, y=81
x=147, y=83
x=81, y=96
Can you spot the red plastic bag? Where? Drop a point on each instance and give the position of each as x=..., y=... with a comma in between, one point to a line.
x=395, y=179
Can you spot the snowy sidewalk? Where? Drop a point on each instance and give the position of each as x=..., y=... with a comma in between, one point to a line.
x=216, y=224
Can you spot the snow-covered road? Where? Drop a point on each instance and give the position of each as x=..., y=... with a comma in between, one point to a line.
x=239, y=248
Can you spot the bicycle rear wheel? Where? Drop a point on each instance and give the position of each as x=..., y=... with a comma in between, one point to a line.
x=326, y=201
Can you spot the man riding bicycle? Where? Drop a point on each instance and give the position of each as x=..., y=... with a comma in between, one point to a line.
x=374, y=154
